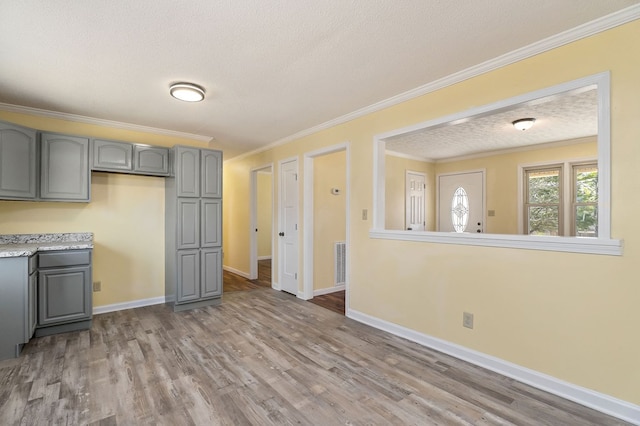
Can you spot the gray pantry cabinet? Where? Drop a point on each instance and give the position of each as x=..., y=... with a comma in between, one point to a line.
x=194, y=229
x=64, y=291
x=18, y=162
x=125, y=157
x=18, y=304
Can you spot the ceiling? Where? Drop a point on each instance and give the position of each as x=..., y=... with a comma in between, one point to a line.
x=271, y=69
x=565, y=117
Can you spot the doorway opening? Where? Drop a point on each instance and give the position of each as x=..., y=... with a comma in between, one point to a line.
x=261, y=241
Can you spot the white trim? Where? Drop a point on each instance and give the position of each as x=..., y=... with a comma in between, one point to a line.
x=408, y=156
x=529, y=242
x=329, y=290
x=264, y=257
x=128, y=305
x=589, y=398
x=588, y=29
x=100, y=122
x=253, y=221
x=308, y=216
x=236, y=271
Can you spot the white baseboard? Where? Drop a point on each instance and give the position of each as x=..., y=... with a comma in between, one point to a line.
x=329, y=290
x=128, y=305
x=598, y=401
x=236, y=271
x=264, y=257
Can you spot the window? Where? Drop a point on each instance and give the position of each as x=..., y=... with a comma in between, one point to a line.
x=548, y=209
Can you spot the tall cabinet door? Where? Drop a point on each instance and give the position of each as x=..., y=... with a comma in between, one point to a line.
x=187, y=171
x=211, y=266
x=188, y=223
x=211, y=223
x=188, y=275
x=211, y=162
x=64, y=168
x=17, y=162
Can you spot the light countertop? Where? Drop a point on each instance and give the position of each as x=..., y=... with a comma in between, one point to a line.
x=18, y=245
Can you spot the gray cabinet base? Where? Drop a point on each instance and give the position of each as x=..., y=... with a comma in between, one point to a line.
x=63, y=328
x=199, y=304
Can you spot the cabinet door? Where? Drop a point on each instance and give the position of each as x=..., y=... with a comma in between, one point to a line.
x=112, y=155
x=211, y=164
x=32, y=311
x=64, y=168
x=187, y=171
x=151, y=160
x=211, y=267
x=211, y=223
x=17, y=162
x=188, y=270
x=64, y=295
x=188, y=223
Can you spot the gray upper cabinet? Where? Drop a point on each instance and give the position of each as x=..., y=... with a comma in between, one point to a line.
x=112, y=156
x=64, y=168
x=187, y=171
x=211, y=164
x=151, y=160
x=18, y=162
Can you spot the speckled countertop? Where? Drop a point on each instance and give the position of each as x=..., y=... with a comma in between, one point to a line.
x=17, y=245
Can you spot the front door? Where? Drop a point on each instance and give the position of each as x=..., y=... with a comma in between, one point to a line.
x=415, y=201
x=461, y=202
x=288, y=232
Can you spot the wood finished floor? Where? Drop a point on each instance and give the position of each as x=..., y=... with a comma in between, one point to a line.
x=260, y=358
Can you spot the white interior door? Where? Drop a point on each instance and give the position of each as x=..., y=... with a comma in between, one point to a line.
x=288, y=232
x=461, y=202
x=415, y=189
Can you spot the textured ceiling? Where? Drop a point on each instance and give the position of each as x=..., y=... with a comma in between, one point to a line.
x=558, y=118
x=270, y=68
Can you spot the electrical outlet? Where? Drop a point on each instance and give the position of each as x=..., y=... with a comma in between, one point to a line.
x=467, y=320
x=364, y=214
x=97, y=286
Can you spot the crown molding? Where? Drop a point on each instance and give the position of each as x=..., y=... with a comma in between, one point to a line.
x=100, y=122
x=582, y=31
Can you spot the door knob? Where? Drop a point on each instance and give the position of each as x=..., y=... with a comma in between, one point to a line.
x=281, y=234
x=478, y=231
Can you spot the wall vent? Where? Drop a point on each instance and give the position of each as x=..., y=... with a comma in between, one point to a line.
x=340, y=262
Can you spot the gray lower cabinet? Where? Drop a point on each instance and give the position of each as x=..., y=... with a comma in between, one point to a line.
x=18, y=304
x=193, y=234
x=64, y=291
x=64, y=168
x=18, y=162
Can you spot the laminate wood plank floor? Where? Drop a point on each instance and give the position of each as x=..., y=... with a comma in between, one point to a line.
x=332, y=301
x=260, y=358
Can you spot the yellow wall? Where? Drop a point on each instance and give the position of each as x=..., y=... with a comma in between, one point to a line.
x=329, y=215
x=395, y=182
x=502, y=177
x=126, y=216
x=571, y=316
x=265, y=214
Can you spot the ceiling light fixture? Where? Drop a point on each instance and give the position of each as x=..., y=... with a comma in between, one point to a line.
x=524, y=123
x=187, y=92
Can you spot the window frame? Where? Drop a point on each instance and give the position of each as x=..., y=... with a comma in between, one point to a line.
x=524, y=201
x=603, y=244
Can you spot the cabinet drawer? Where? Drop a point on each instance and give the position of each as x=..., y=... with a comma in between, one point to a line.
x=65, y=258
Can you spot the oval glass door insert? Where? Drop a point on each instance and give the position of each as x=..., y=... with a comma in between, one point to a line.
x=460, y=209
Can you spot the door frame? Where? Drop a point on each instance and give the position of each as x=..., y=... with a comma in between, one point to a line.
x=484, y=194
x=308, y=210
x=278, y=285
x=253, y=222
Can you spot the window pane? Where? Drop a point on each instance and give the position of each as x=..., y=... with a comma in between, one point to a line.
x=544, y=186
x=586, y=221
x=543, y=220
x=586, y=184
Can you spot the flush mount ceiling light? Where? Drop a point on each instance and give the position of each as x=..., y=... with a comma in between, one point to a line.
x=524, y=123
x=187, y=92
